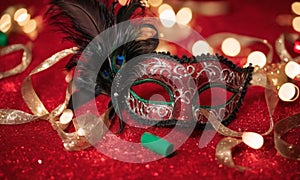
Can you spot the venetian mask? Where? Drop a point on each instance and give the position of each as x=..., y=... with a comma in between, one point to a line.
x=164, y=90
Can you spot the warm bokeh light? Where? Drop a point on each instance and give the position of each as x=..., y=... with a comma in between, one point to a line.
x=296, y=8
x=155, y=3
x=81, y=132
x=69, y=77
x=162, y=48
x=201, y=47
x=167, y=18
x=296, y=24
x=297, y=47
x=123, y=2
x=288, y=92
x=231, y=47
x=184, y=16
x=5, y=23
x=256, y=58
x=21, y=16
x=30, y=27
x=164, y=7
x=253, y=140
x=66, y=116
x=292, y=69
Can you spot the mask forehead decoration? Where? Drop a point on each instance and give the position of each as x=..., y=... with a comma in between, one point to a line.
x=164, y=90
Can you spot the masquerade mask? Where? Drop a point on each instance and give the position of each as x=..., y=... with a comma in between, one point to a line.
x=164, y=90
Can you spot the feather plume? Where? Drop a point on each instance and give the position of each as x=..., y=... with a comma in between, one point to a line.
x=82, y=21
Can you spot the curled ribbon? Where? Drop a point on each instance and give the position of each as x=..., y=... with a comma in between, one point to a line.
x=72, y=141
x=281, y=49
x=271, y=82
x=26, y=59
x=225, y=146
x=284, y=126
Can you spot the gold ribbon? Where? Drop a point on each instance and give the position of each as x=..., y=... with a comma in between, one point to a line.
x=282, y=127
x=281, y=49
x=271, y=77
x=26, y=59
x=72, y=141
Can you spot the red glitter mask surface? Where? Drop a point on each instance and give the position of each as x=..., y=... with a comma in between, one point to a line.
x=34, y=150
x=186, y=86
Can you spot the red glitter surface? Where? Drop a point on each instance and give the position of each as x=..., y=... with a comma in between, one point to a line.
x=34, y=150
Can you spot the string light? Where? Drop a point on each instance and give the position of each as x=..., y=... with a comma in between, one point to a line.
x=253, y=140
x=296, y=24
x=292, y=69
x=184, y=16
x=297, y=46
x=5, y=23
x=231, y=47
x=30, y=27
x=256, y=58
x=201, y=47
x=81, y=132
x=296, y=8
x=123, y=2
x=68, y=77
x=167, y=17
x=164, y=7
x=288, y=92
x=155, y=3
x=21, y=16
x=66, y=116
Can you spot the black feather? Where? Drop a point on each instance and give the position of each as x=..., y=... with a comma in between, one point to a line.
x=126, y=12
x=82, y=21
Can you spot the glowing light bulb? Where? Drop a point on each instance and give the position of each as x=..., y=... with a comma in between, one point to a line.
x=155, y=3
x=184, y=16
x=5, y=23
x=21, y=16
x=253, y=140
x=256, y=58
x=30, y=26
x=201, y=47
x=164, y=7
x=167, y=18
x=122, y=2
x=288, y=92
x=68, y=77
x=231, y=47
x=292, y=69
x=81, y=132
x=66, y=116
x=296, y=8
x=297, y=46
x=296, y=24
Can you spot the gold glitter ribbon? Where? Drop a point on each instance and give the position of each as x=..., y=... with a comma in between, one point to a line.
x=281, y=128
x=261, y=77
x=271, y=77
x=225, y=146
x=72, y=141
x=281, y=49
x=26, y=59
x=224, y=152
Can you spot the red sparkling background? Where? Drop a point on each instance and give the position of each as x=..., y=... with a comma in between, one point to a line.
x=34, y=150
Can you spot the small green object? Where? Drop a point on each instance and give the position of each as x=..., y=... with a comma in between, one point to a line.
x=157, y=144
x=3, y=39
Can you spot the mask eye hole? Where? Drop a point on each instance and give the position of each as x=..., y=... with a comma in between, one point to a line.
x=152, y=92
x=213, y=96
